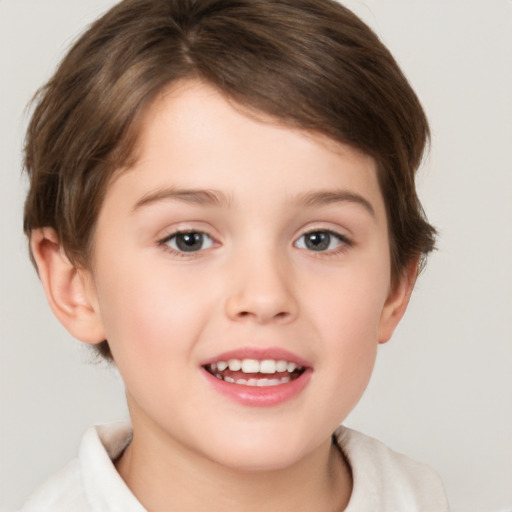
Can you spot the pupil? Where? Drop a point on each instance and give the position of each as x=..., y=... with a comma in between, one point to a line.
x=318, y=241
x=189, y=242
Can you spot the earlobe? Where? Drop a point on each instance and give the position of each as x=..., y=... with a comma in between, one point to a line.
x=68, y=289
x=397, y=302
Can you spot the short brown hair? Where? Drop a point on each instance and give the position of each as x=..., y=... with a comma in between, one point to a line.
x=308, y=63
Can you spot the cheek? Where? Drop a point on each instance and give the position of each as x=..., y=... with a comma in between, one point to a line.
x=348, y=311
x=153, y=325
x=351, y=299
x=148, y=315
x=351, y=336
x=351, y=343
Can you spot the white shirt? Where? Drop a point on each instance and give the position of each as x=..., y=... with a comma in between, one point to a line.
x=383, y=480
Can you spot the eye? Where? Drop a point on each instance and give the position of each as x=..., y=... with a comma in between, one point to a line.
x=188, y=241
x=321, y=241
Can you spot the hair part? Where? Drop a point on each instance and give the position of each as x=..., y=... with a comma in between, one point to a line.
x=311, y=64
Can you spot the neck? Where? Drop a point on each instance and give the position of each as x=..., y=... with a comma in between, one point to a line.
x=164, y=477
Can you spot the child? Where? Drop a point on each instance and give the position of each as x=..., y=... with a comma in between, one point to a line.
x=222, y=203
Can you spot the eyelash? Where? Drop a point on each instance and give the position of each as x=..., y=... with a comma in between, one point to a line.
x=165, y=243
x=344, y=243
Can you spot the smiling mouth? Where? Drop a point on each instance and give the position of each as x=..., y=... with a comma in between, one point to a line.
x=254, y=372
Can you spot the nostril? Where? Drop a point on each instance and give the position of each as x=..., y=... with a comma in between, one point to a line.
x=260, y=308
x=244, y=314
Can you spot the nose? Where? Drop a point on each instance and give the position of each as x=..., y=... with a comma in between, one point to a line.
x=261, y=290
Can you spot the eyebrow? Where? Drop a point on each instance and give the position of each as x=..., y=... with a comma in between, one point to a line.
x=208, y=197
x=194, y=196
x=325, y=198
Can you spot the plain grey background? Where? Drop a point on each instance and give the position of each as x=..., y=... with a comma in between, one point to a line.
x=442, y=388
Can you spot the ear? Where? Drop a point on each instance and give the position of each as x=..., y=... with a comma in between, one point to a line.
x=397, y=302
x=70, y=291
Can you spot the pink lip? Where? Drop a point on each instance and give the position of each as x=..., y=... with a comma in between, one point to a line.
x=259, y=396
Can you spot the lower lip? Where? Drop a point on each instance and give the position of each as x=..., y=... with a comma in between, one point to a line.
x=267, y=396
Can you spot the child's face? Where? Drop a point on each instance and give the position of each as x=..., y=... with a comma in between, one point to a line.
x=282, y=254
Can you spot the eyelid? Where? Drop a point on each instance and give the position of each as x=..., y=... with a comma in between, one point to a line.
x=185, y=231
x=175, y=235
x=191, y=226
x=326, y=227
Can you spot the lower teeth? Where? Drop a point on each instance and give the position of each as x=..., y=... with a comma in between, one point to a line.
x=254, y=382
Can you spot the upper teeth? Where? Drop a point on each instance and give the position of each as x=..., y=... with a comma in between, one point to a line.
x=254, y=366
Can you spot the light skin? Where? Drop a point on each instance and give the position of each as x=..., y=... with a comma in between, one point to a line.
x=259, y=196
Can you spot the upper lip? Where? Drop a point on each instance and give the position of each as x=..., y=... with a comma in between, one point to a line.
x=275, y=353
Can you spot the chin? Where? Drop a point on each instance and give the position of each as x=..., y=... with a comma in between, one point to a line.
x=257, y=453
x=249, y=462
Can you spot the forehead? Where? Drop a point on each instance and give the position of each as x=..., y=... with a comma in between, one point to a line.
x=192, y=136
